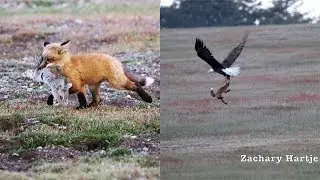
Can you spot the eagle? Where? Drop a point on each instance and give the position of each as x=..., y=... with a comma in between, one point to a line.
x=223, y=68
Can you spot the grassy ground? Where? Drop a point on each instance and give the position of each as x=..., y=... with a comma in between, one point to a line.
x=120, y=138
x=273, y=106
x=33, y=130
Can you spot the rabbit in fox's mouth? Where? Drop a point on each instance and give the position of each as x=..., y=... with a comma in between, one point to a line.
x=51, y=75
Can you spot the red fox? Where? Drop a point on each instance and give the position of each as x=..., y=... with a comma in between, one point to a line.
x=92, y=69
x=220, y=91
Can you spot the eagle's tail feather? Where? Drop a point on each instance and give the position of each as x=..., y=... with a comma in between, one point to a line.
x=232, y=71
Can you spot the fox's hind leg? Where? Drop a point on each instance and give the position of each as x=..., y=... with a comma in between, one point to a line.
x=94, y=90
x=137, y=88
x=120, y=81
x=221, y=98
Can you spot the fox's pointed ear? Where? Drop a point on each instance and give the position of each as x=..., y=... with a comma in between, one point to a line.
x=64, y=47
x=65, y=43
x=46, y=43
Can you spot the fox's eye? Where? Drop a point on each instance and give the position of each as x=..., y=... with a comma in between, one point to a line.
x=50, y=59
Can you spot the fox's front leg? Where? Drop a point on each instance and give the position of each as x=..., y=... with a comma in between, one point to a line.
x=82, y=99
x=227, y=91
x=50, y=100
x=81, y=91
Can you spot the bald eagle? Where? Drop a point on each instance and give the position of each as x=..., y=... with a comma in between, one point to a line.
x=224, y=68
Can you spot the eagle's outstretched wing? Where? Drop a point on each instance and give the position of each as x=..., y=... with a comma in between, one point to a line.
x=204, y=53
x=234, y=54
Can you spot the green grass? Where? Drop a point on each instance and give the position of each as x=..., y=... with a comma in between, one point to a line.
x=86, y=131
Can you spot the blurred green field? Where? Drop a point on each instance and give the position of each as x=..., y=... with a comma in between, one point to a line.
x=273, y=106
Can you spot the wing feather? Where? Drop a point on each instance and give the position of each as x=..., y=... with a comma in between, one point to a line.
x=204, y=53
x=234, y=54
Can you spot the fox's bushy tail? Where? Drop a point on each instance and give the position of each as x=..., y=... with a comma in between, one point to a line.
x=140, y=80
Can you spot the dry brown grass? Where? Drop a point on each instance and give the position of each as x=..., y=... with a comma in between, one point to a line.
x=106, y=31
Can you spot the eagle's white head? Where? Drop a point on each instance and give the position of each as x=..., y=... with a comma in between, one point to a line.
x=210, y=71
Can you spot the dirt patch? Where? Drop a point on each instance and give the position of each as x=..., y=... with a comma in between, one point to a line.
x=11, y=123
x=144, y=144
x=25, y=160
x=7, y=144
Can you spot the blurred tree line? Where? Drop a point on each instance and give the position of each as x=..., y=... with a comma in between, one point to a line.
x=195, y=13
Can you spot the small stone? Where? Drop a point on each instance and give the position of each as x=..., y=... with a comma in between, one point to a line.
x=39, y=147
x=103, y=152
x=143, y=153
x=133, y=137
x=71, y=155
x=78, y=21
x=15, y=154
x=145, y=149
x=62, y=127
